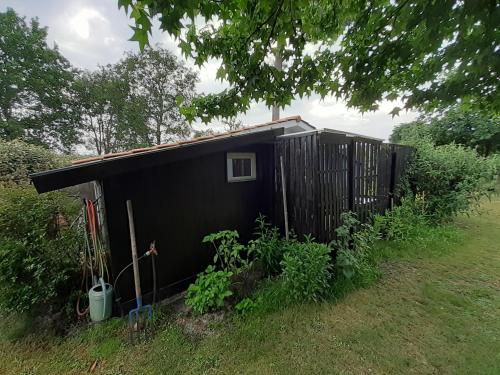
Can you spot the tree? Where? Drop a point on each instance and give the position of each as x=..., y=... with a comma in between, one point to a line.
x=429, y=53
x=408, y=132
x=112, y=118
x=464, y=127
x=35, y=86
x=232, y=123
x=160, y=79
x=468, y=128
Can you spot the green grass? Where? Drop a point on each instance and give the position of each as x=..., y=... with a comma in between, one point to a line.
x=435, y=310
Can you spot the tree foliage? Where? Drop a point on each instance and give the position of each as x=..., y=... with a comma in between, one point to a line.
x=449, y=179
x=464, y=127
x=430, y=53
x=35, y=86
x=39, y=250
x=112, y=118
x=133, y=103
x=159, y=78
x=19, y=159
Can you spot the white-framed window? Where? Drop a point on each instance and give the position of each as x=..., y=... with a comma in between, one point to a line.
x=241, y=166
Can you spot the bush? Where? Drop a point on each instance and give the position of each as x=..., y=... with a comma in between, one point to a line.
x=39, y=257
x=209, y=291
x=306, y=270
x=403, y=221
x=449, y=179
x=245, y=306
x=353, y=246
x=268, y=247
x=18, y=160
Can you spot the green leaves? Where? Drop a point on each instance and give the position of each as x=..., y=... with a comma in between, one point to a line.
x=38, y=256
x=450, y=178
x=19, y=159
x=306, y=271
x=35, y=86
x=268, y=246
x=140, y=36
x=434, y=53
x=135, y=103
x=142, y=21
x=209, y=291
x=228, y=251
x=478, y=130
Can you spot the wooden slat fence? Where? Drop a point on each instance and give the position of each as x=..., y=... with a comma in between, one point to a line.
x=327, y=174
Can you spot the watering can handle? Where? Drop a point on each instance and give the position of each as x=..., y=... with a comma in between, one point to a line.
x=103, y=286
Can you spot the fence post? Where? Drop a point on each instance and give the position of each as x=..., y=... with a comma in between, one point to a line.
x=351, y=175
x=393, y=179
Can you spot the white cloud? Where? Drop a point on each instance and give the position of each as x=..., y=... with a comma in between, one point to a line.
x=84, y=20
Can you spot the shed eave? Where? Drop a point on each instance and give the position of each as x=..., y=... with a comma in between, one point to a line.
x=96, y=170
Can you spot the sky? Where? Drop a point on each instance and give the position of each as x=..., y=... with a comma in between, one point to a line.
x=95, y=32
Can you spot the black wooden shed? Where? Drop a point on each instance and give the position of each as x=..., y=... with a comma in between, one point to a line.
x=186, y=190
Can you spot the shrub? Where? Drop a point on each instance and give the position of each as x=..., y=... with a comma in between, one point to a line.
x=245, y=306
x=449, y=179
x=268, y=247
x=19, y=159
x=228, y=251
x=209, y=291
x=353, y=250
x=306, y=270
x=39, y=257
x=403, y=221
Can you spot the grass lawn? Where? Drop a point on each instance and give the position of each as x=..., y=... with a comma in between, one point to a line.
x=435, y=310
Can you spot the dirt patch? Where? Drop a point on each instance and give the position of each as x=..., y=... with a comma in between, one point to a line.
x=202, y=325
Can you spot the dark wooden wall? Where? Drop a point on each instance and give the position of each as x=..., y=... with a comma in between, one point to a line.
x=327, y=174
x=178, y=204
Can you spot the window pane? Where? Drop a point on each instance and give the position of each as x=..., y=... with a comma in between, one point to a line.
x=242, y=167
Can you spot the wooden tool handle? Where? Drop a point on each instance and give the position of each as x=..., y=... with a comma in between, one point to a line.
x=133, y=245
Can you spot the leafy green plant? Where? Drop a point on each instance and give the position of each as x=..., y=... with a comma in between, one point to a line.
x=306, y=270
x=449, y=179
x=39, y=250
x=434, y=53
x=470, y=128
x=353, y=244
x=403, y=221
x=209, y=291
x=228, y=251
x=245, y=306
x=19, y=159
x=268, y=247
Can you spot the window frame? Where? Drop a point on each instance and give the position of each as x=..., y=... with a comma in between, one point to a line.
x=230, y=156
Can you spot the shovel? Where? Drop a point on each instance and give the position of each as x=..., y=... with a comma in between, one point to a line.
x=134, y=315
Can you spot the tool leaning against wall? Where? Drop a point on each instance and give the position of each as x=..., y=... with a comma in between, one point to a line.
x=95, y=272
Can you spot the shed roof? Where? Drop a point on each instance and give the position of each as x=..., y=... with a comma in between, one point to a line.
x=95, y=168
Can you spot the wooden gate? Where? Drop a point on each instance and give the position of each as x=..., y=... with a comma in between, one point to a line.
x=328, y=173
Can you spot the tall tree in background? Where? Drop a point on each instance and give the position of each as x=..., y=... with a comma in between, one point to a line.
x=431, y=54
x=158, y=77
x=468, y=128
x=35, y=86
x=460, y=126
x=111, y=117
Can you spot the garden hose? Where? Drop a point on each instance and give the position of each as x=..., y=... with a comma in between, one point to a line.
x=152, y=251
